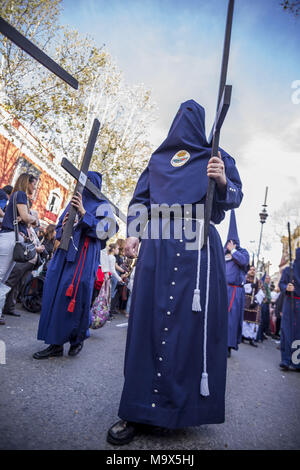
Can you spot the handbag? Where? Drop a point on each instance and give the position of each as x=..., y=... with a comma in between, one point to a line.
x=23, y=250
x=100, y=310
x=99, y=279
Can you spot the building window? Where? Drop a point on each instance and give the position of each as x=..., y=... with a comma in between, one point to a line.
x=54, y=201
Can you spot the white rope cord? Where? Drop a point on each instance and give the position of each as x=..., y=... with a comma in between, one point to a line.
x=204, y=390
x=196, y=305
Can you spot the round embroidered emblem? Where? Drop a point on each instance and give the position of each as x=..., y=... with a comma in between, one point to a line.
x=180, y=158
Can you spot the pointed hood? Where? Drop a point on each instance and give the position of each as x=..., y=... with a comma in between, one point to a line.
x=177, y=169
x=232, y=230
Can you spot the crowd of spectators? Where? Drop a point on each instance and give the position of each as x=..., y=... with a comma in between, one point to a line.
x=13, y=274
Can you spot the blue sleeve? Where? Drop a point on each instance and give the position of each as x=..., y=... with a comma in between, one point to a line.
x=3, y=203
x=58, y=228
x=101, y=226
x=233, y=196
x=139, y=206
x=285, y=279
x=241, y=257
x=21, y=198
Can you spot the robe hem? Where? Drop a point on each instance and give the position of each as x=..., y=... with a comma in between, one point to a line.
x=140, y=414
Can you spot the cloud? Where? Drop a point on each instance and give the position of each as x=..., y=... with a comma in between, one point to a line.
x=175, y=49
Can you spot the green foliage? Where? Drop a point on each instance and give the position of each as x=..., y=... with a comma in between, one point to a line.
x=61, y=116
x=292, y=7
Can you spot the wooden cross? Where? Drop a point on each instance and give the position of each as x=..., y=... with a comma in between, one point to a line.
x=222, y=108
x=23, y=43
x=84, y=182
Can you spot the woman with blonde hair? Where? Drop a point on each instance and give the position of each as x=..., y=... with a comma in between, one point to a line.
x=20, y=193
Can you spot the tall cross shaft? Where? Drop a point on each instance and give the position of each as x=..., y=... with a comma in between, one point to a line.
x=291, y=265
x=23, y=43
x=223, y=103
x=82, y=179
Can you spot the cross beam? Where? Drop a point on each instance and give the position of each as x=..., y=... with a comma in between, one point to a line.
x=221, y=111
x=72, y=170
x=23, y=43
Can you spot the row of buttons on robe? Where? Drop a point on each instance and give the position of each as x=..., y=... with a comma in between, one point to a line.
x=173, y=283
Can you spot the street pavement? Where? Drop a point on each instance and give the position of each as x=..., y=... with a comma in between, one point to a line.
x=69, y=403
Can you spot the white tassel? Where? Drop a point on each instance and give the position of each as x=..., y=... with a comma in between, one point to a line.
x=204, y=390
x=196, y=306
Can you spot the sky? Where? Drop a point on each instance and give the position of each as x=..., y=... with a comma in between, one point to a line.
x=174, y=47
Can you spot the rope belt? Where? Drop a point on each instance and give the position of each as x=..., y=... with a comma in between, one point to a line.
x=70, y=289
x=232, y=298
x=196, y=306
x=233, y=294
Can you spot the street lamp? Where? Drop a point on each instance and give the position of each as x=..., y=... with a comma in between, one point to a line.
x=263, y=215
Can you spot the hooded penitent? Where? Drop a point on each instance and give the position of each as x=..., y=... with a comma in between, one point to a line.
x=290, y=320
x=175, y=361
x=181, y=158
x=296, y=265
x=237, y=262
x=70, y=275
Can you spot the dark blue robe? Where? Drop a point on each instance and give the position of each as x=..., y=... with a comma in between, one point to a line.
x=164, y=349
x=236, y=274
x=58, y=325
x=290, y=321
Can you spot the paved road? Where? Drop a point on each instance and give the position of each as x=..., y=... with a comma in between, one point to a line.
x=69, y=403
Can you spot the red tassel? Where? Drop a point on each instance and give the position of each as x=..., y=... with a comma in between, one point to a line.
x=69, y=292
x=71, y=306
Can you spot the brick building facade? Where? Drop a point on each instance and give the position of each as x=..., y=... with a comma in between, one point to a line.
x=21, y=151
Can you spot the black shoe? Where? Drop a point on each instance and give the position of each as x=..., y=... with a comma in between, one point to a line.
x=283, y=366
x=2, y=321
x=251, y=342
x=229, y=352
x=294, y=369
x=121, y=433
x=265, y=336
x=13, y=313
x=75, y=349
x=53, y=350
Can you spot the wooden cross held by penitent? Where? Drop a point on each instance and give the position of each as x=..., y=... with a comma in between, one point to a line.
x=81, y=175
x=82, y=182
x=222, y=108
